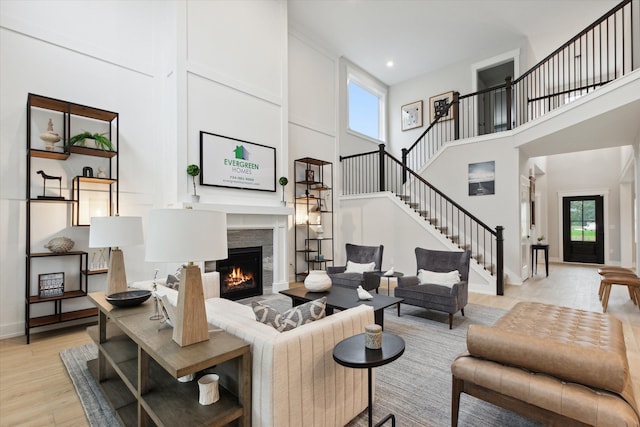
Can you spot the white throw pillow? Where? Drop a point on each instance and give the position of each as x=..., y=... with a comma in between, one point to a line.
x=434, y=278
x=354, y=267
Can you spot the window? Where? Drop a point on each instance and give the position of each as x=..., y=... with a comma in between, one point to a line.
x=366, y=107
x=583, y=220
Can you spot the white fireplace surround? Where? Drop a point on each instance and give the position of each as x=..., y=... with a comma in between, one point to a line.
x=275, y=218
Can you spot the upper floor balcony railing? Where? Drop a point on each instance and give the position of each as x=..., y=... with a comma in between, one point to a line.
x=602, y=52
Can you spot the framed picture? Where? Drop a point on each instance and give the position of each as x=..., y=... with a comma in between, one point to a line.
x=482, y=178
x=50, y=285
x=309, y=175
x=438, y=104
x=234, y=163
x=412, y=115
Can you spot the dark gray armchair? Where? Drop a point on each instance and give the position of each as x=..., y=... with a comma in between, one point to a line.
x=437, y=297
x=361, y=255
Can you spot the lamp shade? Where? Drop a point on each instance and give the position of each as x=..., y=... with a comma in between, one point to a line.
x=115, y=231
x=178, y=235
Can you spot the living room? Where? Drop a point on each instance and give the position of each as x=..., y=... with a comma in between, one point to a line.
x=170, y=72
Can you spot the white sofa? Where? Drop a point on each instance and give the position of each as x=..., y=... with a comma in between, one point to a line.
x=295, y=381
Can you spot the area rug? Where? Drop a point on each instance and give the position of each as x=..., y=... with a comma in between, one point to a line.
x=416, y=387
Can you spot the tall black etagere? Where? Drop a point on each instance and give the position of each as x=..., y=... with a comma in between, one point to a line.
x=73, y=119
x=314, y=244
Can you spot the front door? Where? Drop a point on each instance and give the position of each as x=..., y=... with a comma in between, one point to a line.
x=583, y=229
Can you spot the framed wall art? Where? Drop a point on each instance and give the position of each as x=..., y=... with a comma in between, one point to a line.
x=482, y=178
x=234, y=163
x=412, y=115
x=50, y=285
x=438, y=104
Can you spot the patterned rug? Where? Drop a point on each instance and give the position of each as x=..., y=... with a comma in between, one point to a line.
x=416, y=387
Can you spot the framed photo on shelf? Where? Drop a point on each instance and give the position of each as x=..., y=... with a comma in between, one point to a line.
x=438, y=104
x=234, y=163
x=50, y=285
x=412, y=115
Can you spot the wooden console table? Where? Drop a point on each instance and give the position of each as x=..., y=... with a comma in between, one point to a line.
x=138, y=365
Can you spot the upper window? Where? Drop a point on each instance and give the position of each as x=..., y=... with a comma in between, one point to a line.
x=366, y=107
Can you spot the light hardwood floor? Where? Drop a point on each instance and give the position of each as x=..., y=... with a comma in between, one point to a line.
x=35, y=389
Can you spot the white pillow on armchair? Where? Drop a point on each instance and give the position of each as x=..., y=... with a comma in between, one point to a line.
x=354, y=267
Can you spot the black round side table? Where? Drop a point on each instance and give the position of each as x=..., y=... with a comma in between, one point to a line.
x=352, y=353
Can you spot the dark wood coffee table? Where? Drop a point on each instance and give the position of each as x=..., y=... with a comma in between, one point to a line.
x=342, y=299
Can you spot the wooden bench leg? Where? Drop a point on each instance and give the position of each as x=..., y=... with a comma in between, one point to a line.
x=605, y=298
x=632, y=294
x=601, y=290
x=456, y=388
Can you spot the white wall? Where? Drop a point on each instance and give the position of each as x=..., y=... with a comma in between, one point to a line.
x=53, y=49
x=170, y=69
x=579, y=174
x=313, y=91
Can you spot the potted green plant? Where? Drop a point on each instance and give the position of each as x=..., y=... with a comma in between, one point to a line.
x=101, y=142
x=540, y=239
x=193, y=171
x=283, y=181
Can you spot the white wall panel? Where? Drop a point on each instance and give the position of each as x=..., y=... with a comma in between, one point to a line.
x=312, y=87
x=239, y=43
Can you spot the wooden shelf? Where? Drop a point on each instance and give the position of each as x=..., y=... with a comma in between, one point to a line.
x=47, y=254
x=34, y=299
x=96, y=152
x=94, y=272
x=44, y=154
x=51, y=319
x=95, y=180
x=121, y=400
x=47, y=103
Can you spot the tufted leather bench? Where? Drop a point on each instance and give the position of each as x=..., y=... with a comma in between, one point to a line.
x=557, y=365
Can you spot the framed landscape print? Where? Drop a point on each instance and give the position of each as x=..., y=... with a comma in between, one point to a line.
x=482, y=178
x=412, y=115
x=438, y=104
x=234, y=163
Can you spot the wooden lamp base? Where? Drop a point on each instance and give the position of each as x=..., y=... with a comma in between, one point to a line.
x=191, y=325
x=116, y=277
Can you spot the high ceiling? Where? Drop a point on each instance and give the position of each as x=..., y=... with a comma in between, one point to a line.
x=421, y=36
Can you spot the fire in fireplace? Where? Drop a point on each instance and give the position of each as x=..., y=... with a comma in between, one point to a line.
x=241, y=273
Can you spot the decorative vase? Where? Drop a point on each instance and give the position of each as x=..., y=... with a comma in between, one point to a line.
x=208, y=386
x=60, y=245
x=373, y=336
x=317, y=281
x=49, y=137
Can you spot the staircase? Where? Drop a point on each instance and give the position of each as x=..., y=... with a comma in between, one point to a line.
x=600, y=54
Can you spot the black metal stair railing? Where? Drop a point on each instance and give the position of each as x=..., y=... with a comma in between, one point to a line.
x=601, y=53
x=378, y=170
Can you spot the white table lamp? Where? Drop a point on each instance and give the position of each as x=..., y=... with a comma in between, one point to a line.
x=178, y=235
x=115, y=232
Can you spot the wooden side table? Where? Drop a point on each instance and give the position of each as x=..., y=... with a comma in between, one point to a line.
x=352, y=353
x=534, y=258
x=138, y=365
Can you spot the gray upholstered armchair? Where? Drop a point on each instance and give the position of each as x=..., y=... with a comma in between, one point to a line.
x=449, y=299
x=360, y=255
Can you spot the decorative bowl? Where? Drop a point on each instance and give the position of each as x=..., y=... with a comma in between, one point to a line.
x=128, y=298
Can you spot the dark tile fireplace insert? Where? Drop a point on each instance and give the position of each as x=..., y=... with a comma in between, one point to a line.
x=241, y=273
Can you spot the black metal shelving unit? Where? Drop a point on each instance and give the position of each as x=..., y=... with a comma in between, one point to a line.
x=313, y=208
x=72, y=114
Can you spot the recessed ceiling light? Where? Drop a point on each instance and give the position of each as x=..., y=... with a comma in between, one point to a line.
x=389, y=64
